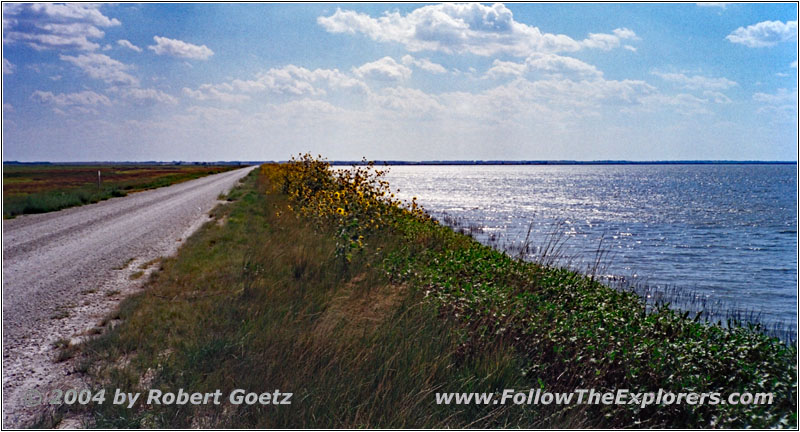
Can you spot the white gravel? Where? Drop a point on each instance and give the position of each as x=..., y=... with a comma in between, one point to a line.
x=63, y=272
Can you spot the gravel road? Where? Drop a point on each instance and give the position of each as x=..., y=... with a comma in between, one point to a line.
x=63, y=272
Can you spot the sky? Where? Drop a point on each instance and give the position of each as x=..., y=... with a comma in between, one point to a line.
x=209, y=82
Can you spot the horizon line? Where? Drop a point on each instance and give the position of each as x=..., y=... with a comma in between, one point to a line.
x=433, y=162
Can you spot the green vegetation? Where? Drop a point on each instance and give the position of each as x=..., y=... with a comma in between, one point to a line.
x=44, y=188
x=321, y=284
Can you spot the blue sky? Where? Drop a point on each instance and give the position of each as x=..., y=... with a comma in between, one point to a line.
x=87, y=82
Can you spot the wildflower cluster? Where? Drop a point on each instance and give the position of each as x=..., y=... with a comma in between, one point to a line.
x=356, y=202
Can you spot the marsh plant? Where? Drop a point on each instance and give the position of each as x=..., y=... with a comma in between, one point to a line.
x=569, y=329
x=550, y=248
x=322, y=283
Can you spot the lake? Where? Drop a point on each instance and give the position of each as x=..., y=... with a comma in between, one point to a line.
x=700, y=235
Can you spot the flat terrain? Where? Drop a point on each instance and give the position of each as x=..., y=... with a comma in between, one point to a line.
x=318, y=283
x=40, y=188
x=64, y=271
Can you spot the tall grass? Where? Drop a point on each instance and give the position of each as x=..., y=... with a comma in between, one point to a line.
x=263, y=303
x=363, y=307
x=550, y=249
x=52, y=194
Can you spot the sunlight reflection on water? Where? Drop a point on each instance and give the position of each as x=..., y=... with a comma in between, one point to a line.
x=726, y=232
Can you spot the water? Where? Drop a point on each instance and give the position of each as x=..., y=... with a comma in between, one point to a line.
x=725, y=233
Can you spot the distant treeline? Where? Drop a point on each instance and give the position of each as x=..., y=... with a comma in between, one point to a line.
x=243, y=163
x=432, y=162
x=565, y=162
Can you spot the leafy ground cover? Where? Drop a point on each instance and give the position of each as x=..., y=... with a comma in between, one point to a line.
x=319, y=282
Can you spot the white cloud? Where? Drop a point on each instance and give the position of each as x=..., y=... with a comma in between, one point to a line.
x=682, y=103
x=608, y=42
x=288, y=80
x=127, y=44
x=83, y=102
x=424, y=64
x=142, y=95
x=210, y=92
x=781, y=96
x=764, y=34
x=385, y=69
x=55, y=26
x=8, y=67
x=74, y=11
x=301, y=111
x=546, y=64
x=501, y=68
x=464, y=28
x=298, y=80
x=721, y=5
x=793, y=64
x=697, y=82
x=518, y=102
x=408, y=101
x=716, y=97
x=209, y=114
x=102, y=67
x=780, y=106
x=179, y=48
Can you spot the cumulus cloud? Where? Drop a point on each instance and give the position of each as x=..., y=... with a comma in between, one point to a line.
x=607, y=42
x=179, y=48
x=102, y=67
x=517, y=102
x=298, y=80
x=697, y=82
x=546, y=64
x=500, y=68
x=287, y=80
x=683, y=103
x=716, y=97
x=424, y=64
x=408, y=101
x=781, y=96
x=385, y=69
x=592, y=92
x=780, y=106
x=8, y=67
x=764, y=34
x=127, y=44
x=305, y=109
x=145, y=95
x=464, y=28
x=45, y=26
x=84, y=102
x=210, y=92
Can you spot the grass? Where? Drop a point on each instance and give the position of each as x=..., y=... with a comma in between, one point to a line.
x=41, y=188
x=550, y=251
x=148, y=264
x=364, y=310
x=125, y=265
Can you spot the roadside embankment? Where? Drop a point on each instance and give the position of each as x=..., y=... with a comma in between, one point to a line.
x=320, y=283
x=65, y=271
